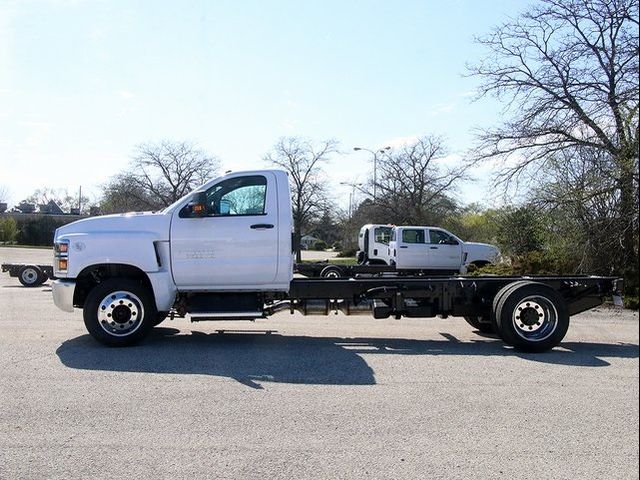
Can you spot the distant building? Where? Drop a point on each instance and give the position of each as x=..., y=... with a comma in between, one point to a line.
x=25, y=207
x=307, y=241
x=51, y=208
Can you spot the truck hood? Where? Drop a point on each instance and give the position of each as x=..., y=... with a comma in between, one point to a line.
x=131, y=239
x=155, y=225
x=481, y=252
x=480, y=245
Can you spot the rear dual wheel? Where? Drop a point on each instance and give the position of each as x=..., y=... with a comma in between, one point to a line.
x=531, y=316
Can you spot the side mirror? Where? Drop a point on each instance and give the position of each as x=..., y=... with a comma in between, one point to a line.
x=198, y=204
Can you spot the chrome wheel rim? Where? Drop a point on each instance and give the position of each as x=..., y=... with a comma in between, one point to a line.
x=535, y=318
x=120, y=313
x=29, y=275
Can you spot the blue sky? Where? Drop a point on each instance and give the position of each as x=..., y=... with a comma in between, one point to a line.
x=83, y=82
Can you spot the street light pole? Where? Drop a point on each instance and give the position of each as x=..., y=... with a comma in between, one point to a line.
x=351, y=195
x=375, y=165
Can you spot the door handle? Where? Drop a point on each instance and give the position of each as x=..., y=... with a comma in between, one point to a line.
x=261, y=226
x=433, y=248
x=404, y=247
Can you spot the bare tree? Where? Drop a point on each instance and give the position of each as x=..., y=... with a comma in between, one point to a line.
x=303, y=160
x=123, y=194
x=413, y=185
x=569, y=71
x=580, y=189
x=158, y=175
x=61, y=196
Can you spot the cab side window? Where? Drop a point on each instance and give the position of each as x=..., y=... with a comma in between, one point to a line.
x=412, y=236
x=438, y=237
x=382, y=235
x=239, y=196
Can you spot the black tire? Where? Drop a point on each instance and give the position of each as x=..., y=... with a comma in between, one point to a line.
x=119, y=312
x=484, y=327
x=332, y=271
x=532, y=317
x=496, y=301
x=31, y=276
x=44, y=277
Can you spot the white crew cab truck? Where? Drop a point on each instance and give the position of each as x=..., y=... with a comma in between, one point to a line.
x=407, y=250
x=415, y=248
x=421, y=248
x=225, y=252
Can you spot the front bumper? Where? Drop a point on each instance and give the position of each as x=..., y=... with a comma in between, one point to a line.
x=63, y=294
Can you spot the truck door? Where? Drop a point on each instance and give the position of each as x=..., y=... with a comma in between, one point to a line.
x=234, y=241
x=411, y=251
x=445, y=251
x=380, y=248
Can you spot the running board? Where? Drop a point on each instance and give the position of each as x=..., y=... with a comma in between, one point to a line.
x=200, y=316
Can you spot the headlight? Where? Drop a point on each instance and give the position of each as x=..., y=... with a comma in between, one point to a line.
x=61, y=247
x=61, y=256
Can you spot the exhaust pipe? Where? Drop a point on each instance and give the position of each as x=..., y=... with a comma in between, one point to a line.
x=366, y=307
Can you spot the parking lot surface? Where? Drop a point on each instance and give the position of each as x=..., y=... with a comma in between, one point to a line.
x=311, y=397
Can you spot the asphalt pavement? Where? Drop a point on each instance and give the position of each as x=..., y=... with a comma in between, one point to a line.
x=311, y=397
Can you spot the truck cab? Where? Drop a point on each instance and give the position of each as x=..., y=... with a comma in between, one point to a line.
x=433, y=248
x=233, y=234
x=373, y=244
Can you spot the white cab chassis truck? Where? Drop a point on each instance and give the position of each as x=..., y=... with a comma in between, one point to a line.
x=373, y=244
x=224, y=252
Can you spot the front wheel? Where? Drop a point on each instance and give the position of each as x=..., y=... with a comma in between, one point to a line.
x=119, y=312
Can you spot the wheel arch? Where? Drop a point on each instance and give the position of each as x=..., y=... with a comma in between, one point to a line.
x=92, y=275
